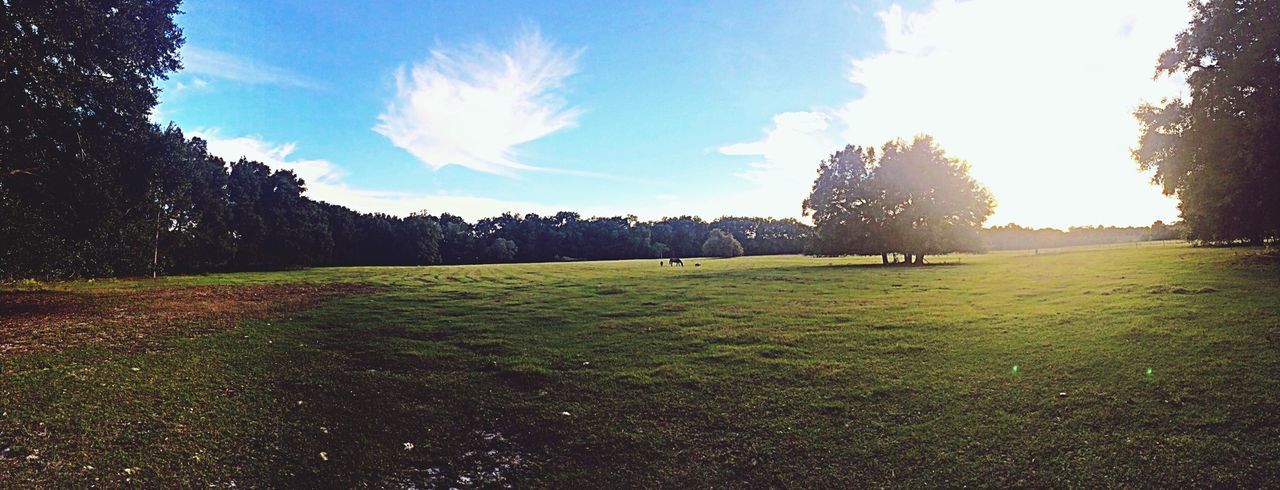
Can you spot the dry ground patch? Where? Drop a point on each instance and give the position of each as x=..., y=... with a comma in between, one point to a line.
x=38, y=321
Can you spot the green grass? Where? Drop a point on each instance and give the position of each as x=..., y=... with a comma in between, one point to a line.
x=747, y=372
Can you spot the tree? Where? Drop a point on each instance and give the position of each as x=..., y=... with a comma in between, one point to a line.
x=208, y=243
x=913, y=199
x=347, y=240
x=1218, y=150
x=420, y=236
x=931, y=203
x=76, y=88
x=847, y=213
x=683, y=236
x=457, y=240
x=501, y=250
x=721, y=244
x=246, y=189
x=765, y=236
x=274, y=224
x=188, y=198
x=1162, y=231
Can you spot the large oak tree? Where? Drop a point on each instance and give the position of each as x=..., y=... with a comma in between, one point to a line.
x=1218, y=150
x=911, y=199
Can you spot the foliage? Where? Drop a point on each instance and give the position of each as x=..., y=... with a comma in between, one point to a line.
x=767, y=236
x=912, y=199
x=1014, y=237
x=1218, y=150
x=683, y=236
x=721, y=244
x=76, y=87
x=501, y=250
x=457, y=240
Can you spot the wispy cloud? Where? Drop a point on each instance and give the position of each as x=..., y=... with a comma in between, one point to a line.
x=277, y=156
x=194, y=84
x=786, y=159
x=208, y=62
x=326, y=182
x=473, y=107
x=791, y=147
x=1037, y=96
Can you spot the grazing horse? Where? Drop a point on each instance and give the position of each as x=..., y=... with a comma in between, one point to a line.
x=675, y=261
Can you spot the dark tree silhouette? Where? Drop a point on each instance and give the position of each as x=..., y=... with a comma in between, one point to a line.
x=501, y=250
x=683, y=236
x=77, y=82
x=1218, y=150
x=721, y=244
x=913, y=199
x=847, y=213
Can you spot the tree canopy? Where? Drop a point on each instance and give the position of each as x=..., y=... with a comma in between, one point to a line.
x=721, y=244
x=1218, y=150
x=79, y=166
x=911, y=198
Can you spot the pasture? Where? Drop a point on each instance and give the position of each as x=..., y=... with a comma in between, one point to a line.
x=1142, y=365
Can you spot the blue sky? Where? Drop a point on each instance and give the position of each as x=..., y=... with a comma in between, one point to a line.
x=661, y=109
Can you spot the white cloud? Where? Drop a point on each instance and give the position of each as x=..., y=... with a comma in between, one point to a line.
x=788, y=156
x=325, y=182
x=194, y=84
x=792, y=147
x=1037, y=96
x=277, y=156
x=197, y=60
x=473, y=107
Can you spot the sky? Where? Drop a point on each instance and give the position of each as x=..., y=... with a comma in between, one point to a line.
x=663, y=109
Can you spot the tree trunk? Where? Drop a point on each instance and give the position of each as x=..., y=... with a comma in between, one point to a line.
x=884, y=259
x=155, y=249
x=920, y=259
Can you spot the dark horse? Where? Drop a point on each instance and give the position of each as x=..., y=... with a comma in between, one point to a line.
x=675, y=261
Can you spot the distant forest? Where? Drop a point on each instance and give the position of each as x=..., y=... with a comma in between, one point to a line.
x=1014, y=237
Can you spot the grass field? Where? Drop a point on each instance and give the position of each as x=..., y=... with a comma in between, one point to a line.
x=1136, y=365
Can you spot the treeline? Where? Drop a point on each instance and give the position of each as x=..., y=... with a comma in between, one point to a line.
x=177, y=208
x=1014, y=237
x=568, y=236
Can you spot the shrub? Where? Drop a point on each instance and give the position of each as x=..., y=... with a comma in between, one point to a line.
x=721, y=244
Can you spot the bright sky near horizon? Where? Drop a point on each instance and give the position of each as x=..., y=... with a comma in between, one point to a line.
x=655, y=109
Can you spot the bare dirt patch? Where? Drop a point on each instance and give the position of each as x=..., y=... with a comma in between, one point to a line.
x=136, y=319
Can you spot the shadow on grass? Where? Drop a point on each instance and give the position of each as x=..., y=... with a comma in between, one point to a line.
x=894, y=267
x=375, y=405
x=801, y=271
